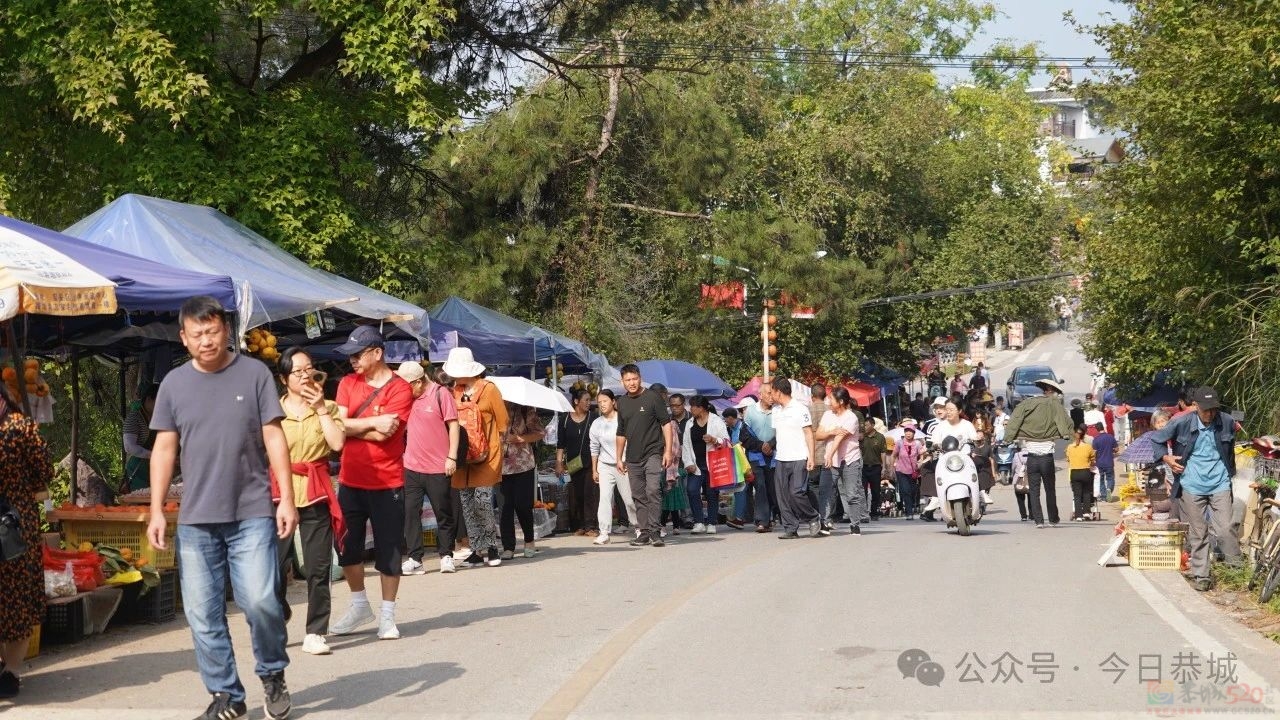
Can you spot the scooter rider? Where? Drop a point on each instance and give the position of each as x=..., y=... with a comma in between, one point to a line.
x=1038, y=422
x=957, y=468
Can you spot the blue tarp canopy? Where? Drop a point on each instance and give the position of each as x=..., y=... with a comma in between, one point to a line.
x=469, y=318
x=272, y=284
x=1148, y=402
x=888, y=381
x=502, y=354
x=684, y=377
x=142, y=285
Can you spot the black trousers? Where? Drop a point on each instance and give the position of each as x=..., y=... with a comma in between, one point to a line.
x=1082, y=489
x=1040, y=471
x=317, y=558
x=871, y=481
x=517, y=500
x=584, y=500
x=1024, y=504
x=446, y=503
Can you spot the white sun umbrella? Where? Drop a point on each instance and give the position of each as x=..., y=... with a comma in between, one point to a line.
x=523, y=391
x=35, y=278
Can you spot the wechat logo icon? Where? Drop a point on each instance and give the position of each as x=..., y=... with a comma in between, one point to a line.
x=916, y=663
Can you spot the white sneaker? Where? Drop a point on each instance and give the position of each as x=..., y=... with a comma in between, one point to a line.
x=354, y=617
x=711, y=529
x=601, y=539
x=387, y=629
x=462, y=555
x=698, y=529
x=315, y=645
x=412, y=567
x=986, y=498
x=934, y=504
x=446, y=565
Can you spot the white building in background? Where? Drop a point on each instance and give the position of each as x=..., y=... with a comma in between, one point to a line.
x=1070, y=127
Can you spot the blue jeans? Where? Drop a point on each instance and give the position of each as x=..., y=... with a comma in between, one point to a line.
x=1107, y=481
x=766, y=494
x=699, y=487
x=245, y=550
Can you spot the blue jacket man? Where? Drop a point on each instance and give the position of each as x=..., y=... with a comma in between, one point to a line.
x=1203, y=462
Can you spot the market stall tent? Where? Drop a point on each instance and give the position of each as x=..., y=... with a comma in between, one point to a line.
x=38, y=278
x=685, y=377
x=272, y=284
x=468, y=316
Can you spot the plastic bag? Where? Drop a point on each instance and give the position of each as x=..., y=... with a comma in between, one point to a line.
x=85, y=567
x=59, y=583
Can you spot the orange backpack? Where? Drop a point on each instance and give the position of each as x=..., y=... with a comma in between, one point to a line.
x=473, y=441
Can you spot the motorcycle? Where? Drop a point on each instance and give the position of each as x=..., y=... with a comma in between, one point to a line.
x=1005, y=453
x=958, y=491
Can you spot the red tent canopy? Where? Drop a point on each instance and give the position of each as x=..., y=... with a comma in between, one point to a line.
x=864, y=394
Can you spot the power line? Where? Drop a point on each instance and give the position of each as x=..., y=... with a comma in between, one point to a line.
x=691, y=51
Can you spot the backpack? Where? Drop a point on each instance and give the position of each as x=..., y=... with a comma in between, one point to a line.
x=473, y=441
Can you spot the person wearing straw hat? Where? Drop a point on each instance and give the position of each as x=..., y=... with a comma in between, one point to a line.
x=1039, y=422
x=475, y=480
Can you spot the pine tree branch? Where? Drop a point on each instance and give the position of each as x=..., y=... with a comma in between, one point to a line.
x=660, y=211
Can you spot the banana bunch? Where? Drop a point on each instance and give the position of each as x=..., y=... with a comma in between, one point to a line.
x=262, y=344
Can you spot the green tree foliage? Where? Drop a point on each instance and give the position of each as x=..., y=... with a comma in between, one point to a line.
x=641, y=140
x=760, y=159
x=1184, y=254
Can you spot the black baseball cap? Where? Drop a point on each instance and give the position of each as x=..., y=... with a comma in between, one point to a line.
x=1206, y=398
x=365, y=336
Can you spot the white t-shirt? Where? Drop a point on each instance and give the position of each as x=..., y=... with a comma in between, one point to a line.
x=962, y=431
x=789, y=422
x=850, y=450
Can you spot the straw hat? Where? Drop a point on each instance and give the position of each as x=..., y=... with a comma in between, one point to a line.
x=462, y=364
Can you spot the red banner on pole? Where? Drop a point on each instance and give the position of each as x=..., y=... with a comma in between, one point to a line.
x=723, y=296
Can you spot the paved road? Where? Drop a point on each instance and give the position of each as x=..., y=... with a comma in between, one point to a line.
x=737, y=624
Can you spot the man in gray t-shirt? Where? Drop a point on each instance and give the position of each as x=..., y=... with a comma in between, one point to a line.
x=224, y=472
x=223, y=412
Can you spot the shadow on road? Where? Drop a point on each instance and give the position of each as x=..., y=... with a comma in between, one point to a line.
x=69, y=684
x=357, y=690
x=449, y=620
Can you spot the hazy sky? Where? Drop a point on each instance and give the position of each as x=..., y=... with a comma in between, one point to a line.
x=1040, y=21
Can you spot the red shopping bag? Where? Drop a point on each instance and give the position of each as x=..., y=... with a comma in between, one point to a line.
x=720, y=467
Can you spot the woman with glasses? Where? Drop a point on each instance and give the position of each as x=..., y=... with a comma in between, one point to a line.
x=313, y=428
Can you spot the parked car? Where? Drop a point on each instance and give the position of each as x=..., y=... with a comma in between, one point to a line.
x=1022, y=382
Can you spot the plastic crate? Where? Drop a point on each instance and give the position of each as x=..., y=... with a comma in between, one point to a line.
x=64, y=621
x=1155, y=549
x=33, y=644
x=160, y=605
x=429, y=540
x=122, y=533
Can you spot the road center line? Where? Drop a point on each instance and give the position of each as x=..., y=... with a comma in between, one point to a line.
x=580, y=684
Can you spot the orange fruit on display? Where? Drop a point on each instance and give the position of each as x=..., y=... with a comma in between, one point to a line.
x=31, y=375
x=31, y=364
x=9, y=374
x=171, y=507
x=126, y=554
x=85, y=546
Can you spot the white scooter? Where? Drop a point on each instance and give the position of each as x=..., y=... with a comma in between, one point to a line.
x=958, y=491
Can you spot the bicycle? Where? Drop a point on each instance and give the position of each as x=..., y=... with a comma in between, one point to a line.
x=1263, y=538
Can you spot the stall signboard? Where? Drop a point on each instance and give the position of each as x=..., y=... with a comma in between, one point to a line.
x=1015, y=335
